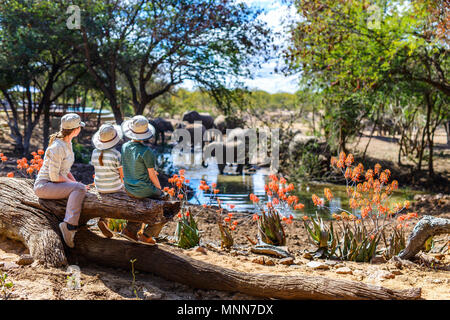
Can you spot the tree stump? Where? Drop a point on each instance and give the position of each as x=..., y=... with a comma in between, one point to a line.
x=427, y=227
x=35, y=222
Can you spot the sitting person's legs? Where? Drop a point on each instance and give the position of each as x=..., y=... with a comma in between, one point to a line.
x=75, y=193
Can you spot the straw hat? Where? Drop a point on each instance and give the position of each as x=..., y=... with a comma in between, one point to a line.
x=71, y=121
x=107, y=136
x=138, y=128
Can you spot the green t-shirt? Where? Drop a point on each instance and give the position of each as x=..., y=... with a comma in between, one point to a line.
x=136, y=160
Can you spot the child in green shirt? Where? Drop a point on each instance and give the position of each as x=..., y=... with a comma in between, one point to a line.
x=139, y=175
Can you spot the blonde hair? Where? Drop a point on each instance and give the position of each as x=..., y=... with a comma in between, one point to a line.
x=62, y=133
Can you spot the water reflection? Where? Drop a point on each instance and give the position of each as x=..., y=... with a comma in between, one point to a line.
x=235, y=188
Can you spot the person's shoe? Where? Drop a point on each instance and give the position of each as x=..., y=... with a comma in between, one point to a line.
x=104, y=228
x=145, y=239
x=68, y=235
x=129, y=235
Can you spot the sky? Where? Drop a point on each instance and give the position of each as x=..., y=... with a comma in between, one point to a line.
x=265, y=78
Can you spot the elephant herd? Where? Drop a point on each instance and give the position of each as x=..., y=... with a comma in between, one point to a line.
x=230, y=149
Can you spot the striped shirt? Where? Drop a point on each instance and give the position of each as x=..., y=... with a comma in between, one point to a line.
x=58, y=160
x=107, y=177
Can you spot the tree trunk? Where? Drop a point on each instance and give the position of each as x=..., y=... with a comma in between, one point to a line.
x=427, y=227
x=24, y=217
x=34, y=221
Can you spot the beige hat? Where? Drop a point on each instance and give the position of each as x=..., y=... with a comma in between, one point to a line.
x=107, y=136
x=71, y=121
x=138, y=128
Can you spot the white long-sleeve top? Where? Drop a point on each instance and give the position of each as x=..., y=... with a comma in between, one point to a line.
x=58, y=160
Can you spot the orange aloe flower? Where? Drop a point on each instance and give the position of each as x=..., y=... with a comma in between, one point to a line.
x=10, y=175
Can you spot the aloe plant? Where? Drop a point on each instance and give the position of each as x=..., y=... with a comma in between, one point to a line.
x=270, y=228
x=187, y=233
x=323, y=236
x=395, y=244
x=357, y=246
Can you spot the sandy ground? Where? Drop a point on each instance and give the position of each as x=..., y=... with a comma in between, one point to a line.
x=36, y=282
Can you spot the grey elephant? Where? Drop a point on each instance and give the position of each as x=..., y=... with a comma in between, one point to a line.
x=195, y=130
x=161, y=127
x=223, y=123
x=232, y=152
x=206, y=119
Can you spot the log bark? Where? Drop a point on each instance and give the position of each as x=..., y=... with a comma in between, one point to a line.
x=172, y=264
x=24, y=217
x=34, y=221
x=427, y=227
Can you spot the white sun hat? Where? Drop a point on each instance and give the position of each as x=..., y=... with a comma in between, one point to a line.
x=138, y=128
x=107, y=136
x=71, y=121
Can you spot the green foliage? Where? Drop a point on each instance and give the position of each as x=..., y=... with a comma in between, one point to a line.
x=395, y=243
x=5, y=286
x=225, y=236
x=322, y=236
x=187, y=233
x=82, y=154
x=307, y=163
x=270, y=228
x=356, y=245
x=117, y=225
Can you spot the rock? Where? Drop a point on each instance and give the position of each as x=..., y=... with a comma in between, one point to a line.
x=151, y=295
x=400, y=263
x=7, y=265
x=437, y=281
x=287, y=261
x=396, y=272
x=344, y=270
x=258, y=260
x=382, y=275
x=25, y=259
x=317, y=265
x=201, y=250
x=269, y=262
x=308, y=256
x=439, y=256
x=331, y=263
x=377, y=260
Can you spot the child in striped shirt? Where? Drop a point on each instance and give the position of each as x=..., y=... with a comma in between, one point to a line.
x=106, y=161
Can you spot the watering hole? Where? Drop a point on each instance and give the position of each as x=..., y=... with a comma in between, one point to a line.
x=235, y=188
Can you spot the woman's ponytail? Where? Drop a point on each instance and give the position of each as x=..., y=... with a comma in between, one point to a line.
x=60, y=135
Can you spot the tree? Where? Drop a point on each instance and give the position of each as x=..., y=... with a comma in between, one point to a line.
x=158, y=44
x=36, y=51
x=356, y=49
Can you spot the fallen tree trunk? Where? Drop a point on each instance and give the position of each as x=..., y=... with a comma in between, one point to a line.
x=172, y=264
x=427, y=227
x=34, y=221
x=24, y=217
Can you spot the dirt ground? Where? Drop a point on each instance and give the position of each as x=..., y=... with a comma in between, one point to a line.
x=36, y=282
x=99, y=283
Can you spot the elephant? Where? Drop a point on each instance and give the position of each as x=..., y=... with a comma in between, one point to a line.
x=161, y=127
x=194, y=130
x=206, y=119
x=222, y=151
x=228, y=122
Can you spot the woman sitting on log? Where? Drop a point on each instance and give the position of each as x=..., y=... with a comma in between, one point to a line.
x=55, y=181
x=106, y=161
x=139, y=175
